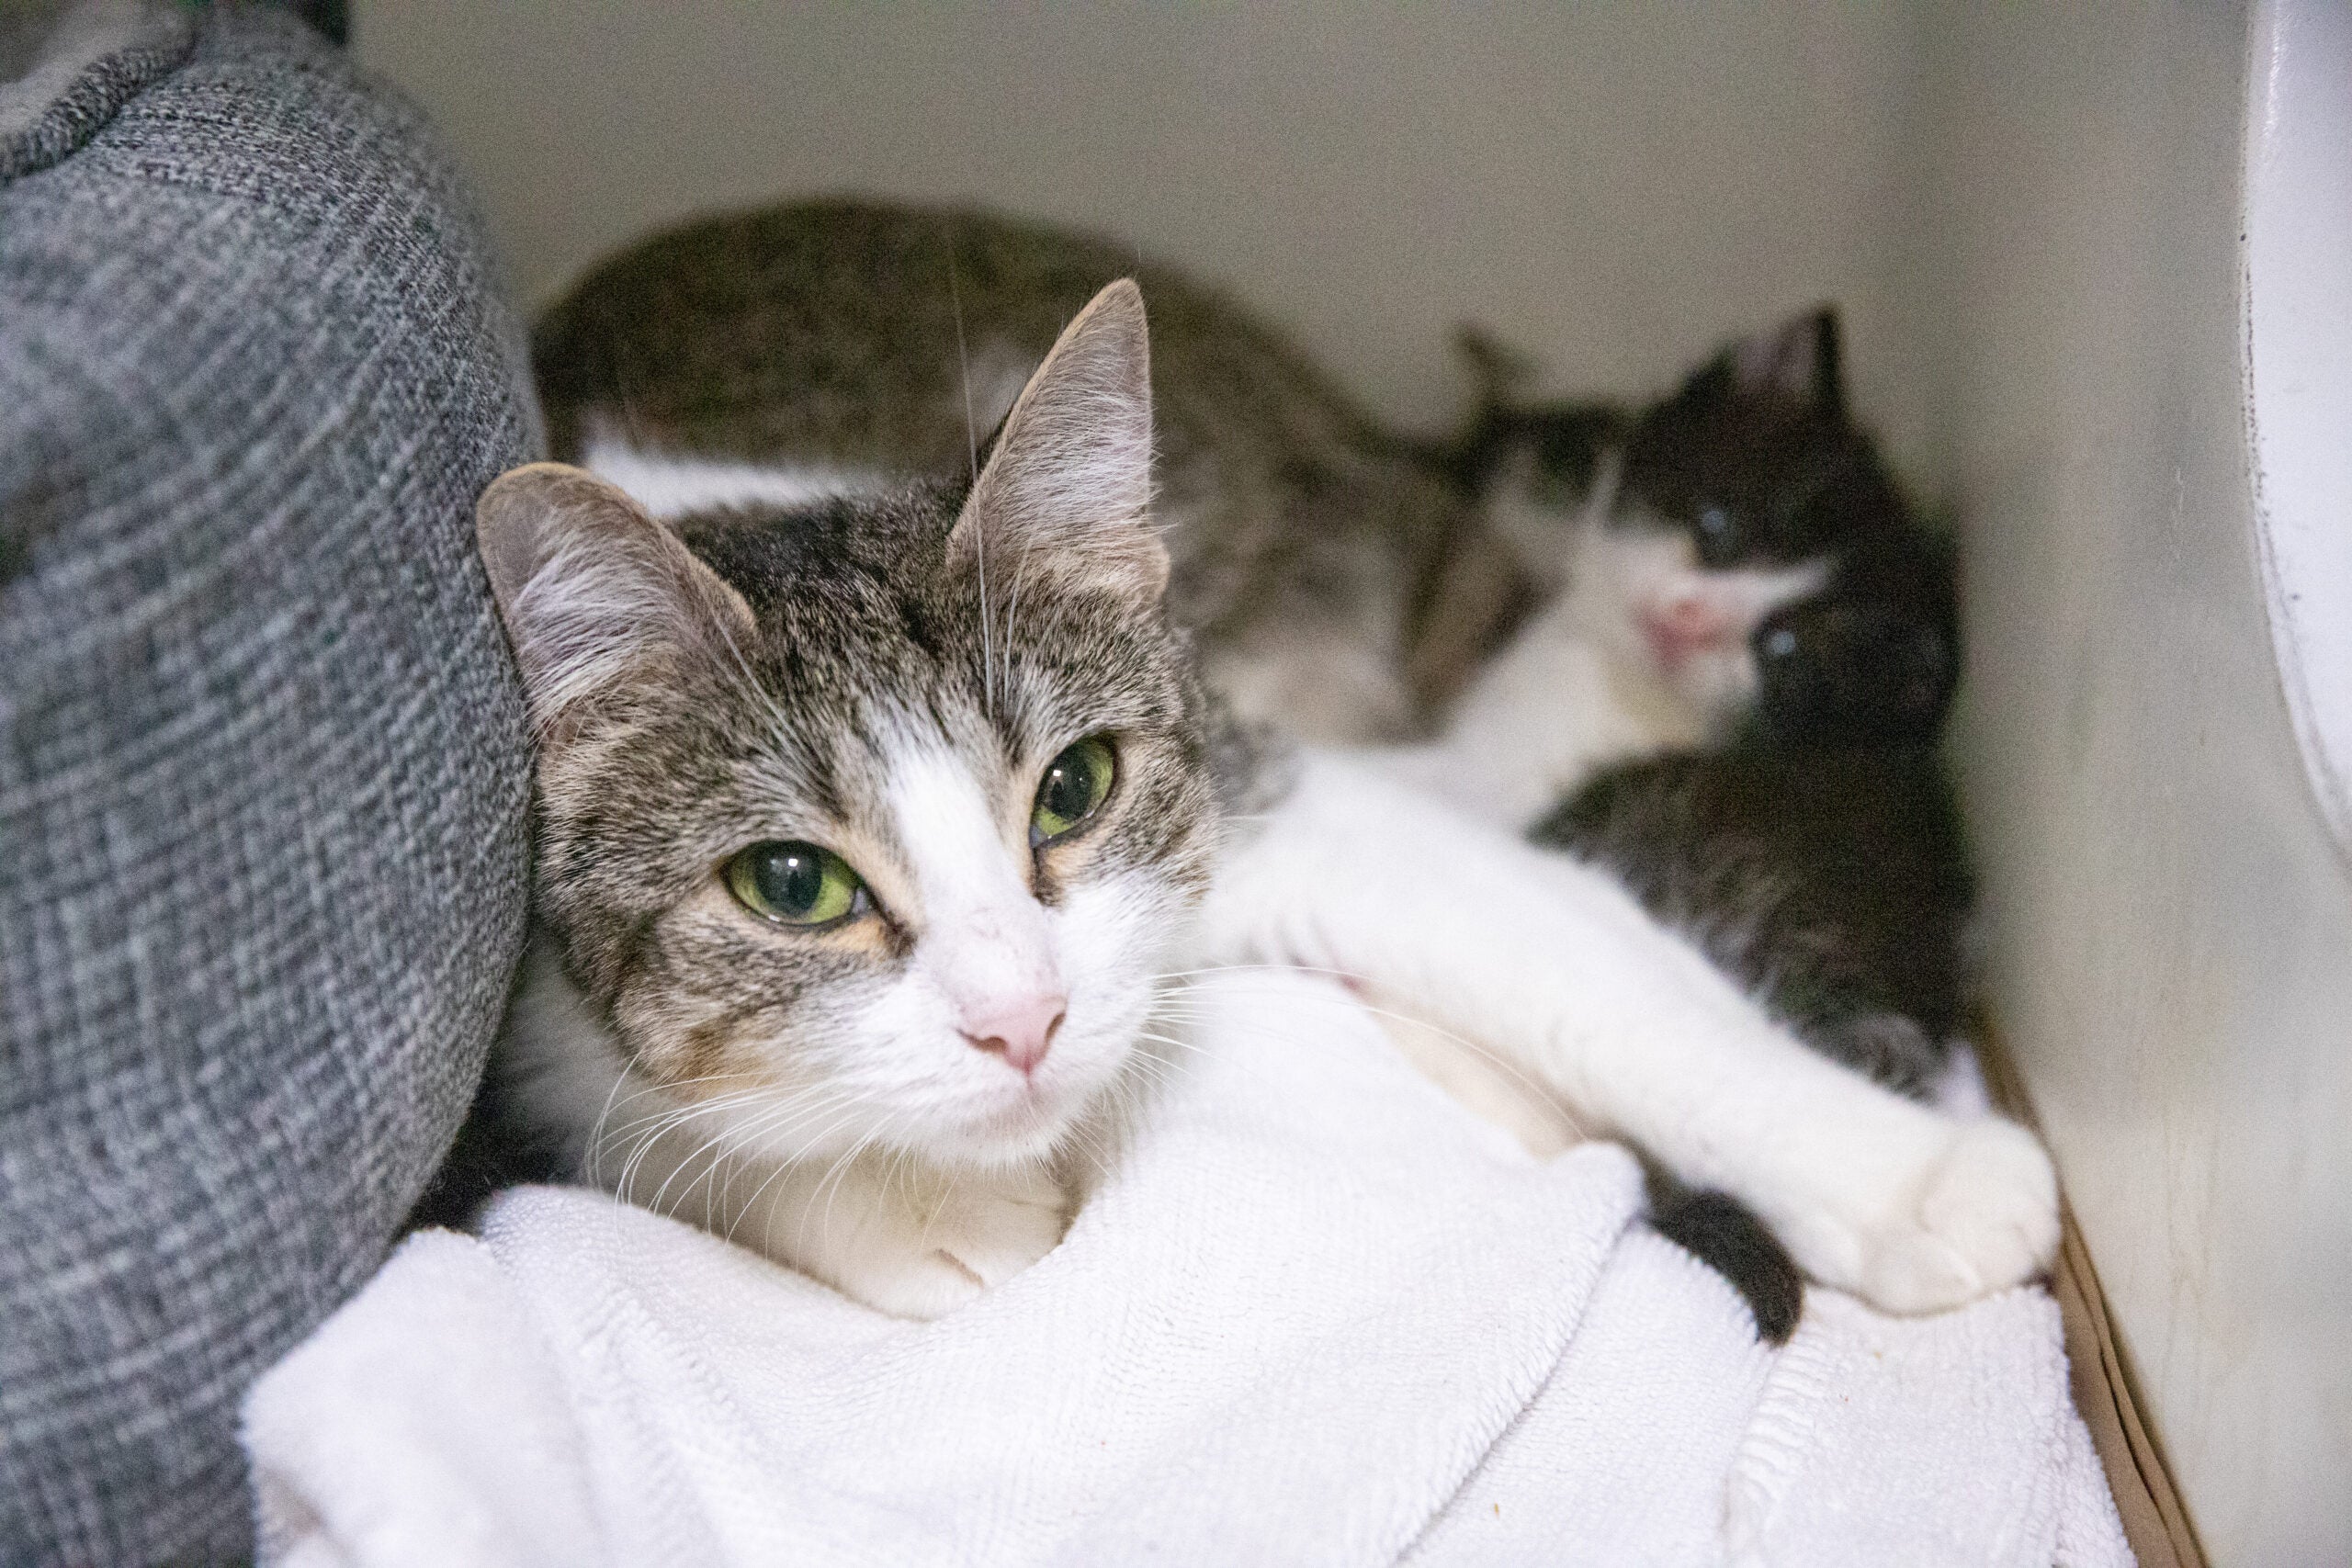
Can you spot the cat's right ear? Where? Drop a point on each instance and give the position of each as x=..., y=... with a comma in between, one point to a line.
x=1499, y=372
x=589, y=587
x=1801, y=358
x=1066, y=487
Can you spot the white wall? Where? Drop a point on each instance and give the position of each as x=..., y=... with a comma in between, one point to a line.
x=1618, y=187
x=2031, y=215
x=2172, y=931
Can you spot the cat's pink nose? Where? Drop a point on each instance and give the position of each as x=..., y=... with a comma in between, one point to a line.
x=1019, y=1028
x=1686, y=624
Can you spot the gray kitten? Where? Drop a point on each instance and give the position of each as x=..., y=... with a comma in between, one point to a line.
x=867, y=339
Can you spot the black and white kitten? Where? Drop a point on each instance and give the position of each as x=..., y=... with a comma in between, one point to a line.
x=1731, y=559
x=1755, y=577
x=1769, y=637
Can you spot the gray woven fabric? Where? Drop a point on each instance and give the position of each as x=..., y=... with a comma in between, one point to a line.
x=263, y=768
x=81, y=63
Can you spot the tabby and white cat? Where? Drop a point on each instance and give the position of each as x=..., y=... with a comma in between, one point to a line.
x=870, y=822
x=866, y=829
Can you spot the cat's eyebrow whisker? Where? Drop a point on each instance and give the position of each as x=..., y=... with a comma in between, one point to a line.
x=972, y=452
x=750, y=683
x=1019, y=576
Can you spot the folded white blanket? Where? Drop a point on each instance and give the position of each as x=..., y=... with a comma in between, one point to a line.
x=1317, y=1315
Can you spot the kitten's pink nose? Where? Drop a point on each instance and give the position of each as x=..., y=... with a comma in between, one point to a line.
x=1685, y=624
x=1019, y=1029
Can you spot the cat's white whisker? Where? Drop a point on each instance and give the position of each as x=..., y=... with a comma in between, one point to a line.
x=972, y=452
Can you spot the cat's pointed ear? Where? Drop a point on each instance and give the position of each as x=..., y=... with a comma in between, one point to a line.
x=1800, y=358
x=1068, y=483
x=589, y=587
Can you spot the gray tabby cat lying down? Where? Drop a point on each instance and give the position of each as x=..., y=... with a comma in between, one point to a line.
x=881, y=822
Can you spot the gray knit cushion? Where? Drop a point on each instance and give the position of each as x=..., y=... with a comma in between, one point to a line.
x=262, y=767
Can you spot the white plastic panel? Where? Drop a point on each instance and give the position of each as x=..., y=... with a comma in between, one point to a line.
x=2299, y=332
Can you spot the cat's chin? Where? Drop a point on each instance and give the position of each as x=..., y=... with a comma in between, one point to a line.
x=1028, y=1132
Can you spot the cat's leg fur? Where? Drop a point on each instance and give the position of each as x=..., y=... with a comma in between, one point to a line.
x=1552, y=964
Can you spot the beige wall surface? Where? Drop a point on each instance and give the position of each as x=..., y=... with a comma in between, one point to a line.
x=2031, y=215
x=2171, y=930
x=1616, y=187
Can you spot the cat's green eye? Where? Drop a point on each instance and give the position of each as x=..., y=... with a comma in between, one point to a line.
x=1072, y=789
x=795, y=884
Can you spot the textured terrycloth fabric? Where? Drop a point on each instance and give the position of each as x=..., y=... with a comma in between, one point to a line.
x=1316, y=1315
x=263, y=768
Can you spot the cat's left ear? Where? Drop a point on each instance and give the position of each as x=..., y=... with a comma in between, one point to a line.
x=591, y=587
x=1066, y=487
x=1800, y=358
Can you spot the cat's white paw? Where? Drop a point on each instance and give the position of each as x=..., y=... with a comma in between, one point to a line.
x=1947, y=1212
x=992, y=1234
x=924, y=1257
x=1983, y=1218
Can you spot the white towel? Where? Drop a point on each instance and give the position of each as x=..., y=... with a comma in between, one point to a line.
x=1317, y=1315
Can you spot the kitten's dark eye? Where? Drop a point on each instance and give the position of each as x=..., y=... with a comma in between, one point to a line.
x=795, y=884
x=1072, y=789
x=1556, y=486
x=1719, y=537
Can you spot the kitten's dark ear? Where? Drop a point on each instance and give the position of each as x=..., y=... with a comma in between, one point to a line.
x=1499, y=372
x=1800, y=358
x=1068, y=484
x=589, y=586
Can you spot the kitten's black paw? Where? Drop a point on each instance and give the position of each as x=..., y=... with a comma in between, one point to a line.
x=1716, y=1230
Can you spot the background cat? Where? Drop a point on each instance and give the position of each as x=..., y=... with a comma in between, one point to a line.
x=1341, y=579
x=848, y=339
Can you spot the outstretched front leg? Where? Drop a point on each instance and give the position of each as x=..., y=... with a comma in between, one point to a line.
x=1553, y=965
